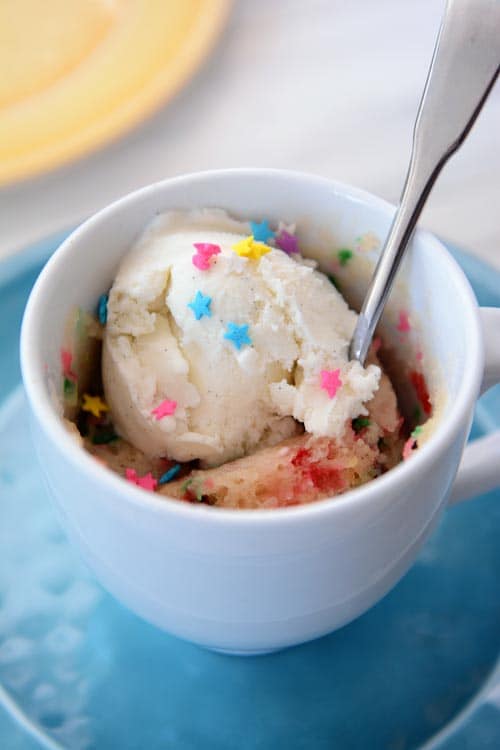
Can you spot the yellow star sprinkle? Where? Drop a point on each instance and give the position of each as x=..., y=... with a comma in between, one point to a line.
x=94, y=404
x=249, y=248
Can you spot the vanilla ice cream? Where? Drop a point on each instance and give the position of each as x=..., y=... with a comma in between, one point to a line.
x=210, y=355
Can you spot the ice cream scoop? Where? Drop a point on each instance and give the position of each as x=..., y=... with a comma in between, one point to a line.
x=218, y=343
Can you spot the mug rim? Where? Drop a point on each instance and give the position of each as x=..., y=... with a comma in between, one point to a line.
x=51, y=423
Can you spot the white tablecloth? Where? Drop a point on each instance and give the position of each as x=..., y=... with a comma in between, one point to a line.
x=324, y=86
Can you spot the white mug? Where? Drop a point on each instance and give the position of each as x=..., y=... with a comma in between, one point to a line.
x=254, y=581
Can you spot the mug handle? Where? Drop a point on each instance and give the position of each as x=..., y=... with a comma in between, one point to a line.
x=479, y=471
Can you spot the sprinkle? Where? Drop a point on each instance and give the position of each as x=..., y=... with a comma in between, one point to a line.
x=206, y=249
x=147, y=482
x=287, y=242
x=408, y=448
x=69, y=389
x=418, y=381
x=200, y=262
x=131, y=475
x=165, y=409
x=417, y=431
x=201, y=306
x=204, y=253
x=249, y=248
x=170, y=474
x=238, y=335
x=193, y=487
x=376, y=344
x=360, y=423
x=102, y=309
x=344, y=255
x=94, y=404
x=330, y=381
x=261, y=232
x=185, y=485
x=66, y=361
x=404, y=323
x=70, y=393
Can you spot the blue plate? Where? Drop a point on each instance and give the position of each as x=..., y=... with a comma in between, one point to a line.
x=79, y=671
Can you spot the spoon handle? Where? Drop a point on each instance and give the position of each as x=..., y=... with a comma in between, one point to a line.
x=464, y=66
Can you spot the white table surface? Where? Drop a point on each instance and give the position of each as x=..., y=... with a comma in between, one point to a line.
x=324, y=86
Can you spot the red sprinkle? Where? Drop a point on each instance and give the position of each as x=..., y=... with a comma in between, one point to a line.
x=418, y=381
x=66, y=361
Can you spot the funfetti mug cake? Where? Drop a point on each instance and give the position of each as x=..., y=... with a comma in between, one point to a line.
x=225, y=376
x=222, y=466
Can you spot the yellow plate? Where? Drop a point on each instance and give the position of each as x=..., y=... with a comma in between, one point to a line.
x=78, y=73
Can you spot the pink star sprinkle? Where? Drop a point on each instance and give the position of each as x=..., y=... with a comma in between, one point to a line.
x=147, y=482
x=66, y=360
x=165, y=409
x=287, y=242
x=330, y=381
x=204, y=253
x=131, y=475
x=404, y=324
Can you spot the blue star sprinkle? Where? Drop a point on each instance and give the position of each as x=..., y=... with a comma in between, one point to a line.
x=201, y=306
x=238, y=335
x=102, y=309
x=170, y=474
x=261, y=232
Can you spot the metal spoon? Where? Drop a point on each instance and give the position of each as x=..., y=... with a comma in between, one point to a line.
x=464, y=66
